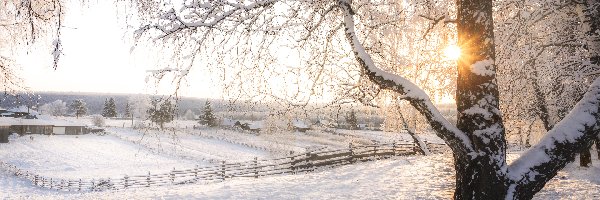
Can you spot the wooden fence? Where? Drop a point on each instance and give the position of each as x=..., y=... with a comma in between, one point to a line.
x=255, y=168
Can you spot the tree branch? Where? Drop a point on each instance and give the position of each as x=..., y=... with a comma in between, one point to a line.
x=559, y=146
x=456, y=139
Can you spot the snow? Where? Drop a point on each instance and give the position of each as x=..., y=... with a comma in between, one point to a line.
x=483, y=67
x=125, y=151
x=84, y=156
x=412, y=177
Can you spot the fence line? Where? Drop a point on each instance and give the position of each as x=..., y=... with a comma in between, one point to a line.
x=293, y=164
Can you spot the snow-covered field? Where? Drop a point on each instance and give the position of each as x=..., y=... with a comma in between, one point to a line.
x=414, y=177
x=134, y=152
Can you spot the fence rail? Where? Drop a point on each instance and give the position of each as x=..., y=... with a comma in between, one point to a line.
x=255, y=168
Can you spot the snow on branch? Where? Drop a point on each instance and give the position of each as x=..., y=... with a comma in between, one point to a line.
x=456, y=139
x=560, y=145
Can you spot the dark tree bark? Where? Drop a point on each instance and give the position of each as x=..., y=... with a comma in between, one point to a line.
x=598, y=145
x=592, y=24
x=477, y=104
x=585, y=158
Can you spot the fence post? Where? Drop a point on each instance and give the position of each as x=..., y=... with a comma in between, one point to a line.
x=196, y=173
x=79, y=185
x=172, y=176
x=293, y=165
x=148, y=179
x=35, y=180
x=351, y=158
x=126, y=181
x=375, y=152
x=394, y=148
x=109, y=184
x=50, y=183
x=255, y=167
x=223, y=170
x=309, y=166
x=93, y=185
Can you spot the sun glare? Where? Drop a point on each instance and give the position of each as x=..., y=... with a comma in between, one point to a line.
x=452, y=52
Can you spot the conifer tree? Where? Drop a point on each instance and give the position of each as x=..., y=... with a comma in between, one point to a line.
x=208, y=118
x=161, y=114
x=127, y=111
x=79, y=107
x=351, y=120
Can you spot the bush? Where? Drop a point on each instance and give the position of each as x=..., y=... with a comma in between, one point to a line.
x=98, y=121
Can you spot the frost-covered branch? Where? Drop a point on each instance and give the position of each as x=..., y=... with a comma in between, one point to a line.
x=456, y=139
x=560, y=145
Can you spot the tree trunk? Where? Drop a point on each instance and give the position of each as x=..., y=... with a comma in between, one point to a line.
x=598, y=146
x=591, y=21
x=585, y=158
x=477, y=104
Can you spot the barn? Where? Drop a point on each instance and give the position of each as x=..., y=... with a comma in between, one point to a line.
x=30, y=126
x=5, y=129
x=68, y=128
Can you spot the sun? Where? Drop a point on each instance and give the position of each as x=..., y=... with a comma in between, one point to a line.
x=452, y=52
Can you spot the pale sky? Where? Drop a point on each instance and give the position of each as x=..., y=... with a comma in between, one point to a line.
x=96, y=58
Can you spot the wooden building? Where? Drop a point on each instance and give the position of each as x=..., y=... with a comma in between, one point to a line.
x=31, y=126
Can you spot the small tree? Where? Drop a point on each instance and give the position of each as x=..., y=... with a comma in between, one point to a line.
x=110, y=109
x=78, y=107
x=208, y=118
x=189, y=115
x=161, y=114
x=55, y=108
x=351, y=120
x=98, y=120
x=127, y=111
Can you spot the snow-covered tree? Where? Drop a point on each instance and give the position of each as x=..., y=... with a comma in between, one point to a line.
x=25, y=26
x=127, y=111
x=207, y=117
x=189, y=115
x=139, y=105
x=110, y=108
x=478, y=139
x=55, y=108
x=98, y=120
x=78, y=106
x=161, y=112
x=351, y=120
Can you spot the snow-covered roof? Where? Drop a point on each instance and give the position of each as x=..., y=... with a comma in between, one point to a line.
x=23, y=109
x=66, y=123
x=255, y=125
x=228, y=122
x=299, y=124
x=9, y=121
x=30, y=122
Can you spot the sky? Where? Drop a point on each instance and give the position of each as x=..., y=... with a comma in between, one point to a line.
x=96, y=58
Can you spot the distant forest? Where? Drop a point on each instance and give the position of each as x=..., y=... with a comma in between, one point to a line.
x=239, y=110
x=95, y=101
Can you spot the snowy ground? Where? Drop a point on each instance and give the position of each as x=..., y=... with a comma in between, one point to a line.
x=133, y=152
x=415, y=177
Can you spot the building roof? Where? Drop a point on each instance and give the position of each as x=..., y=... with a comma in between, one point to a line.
x=23, y=109
x=253, y=125
x=299, y=123
x=9, y=121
